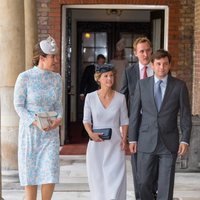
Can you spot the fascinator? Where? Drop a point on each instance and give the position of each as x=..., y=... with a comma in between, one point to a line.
x=49, y=46
x=120, y=44
x=104, y=68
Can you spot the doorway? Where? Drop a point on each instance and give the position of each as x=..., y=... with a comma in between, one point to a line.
x=104, y=30
x=96, y=38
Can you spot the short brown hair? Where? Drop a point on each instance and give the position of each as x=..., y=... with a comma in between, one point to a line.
x=161, y=53
x=141, y=40
x=37, y=52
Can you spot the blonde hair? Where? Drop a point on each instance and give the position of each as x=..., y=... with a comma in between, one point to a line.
x=141, y=40
x=97, y=75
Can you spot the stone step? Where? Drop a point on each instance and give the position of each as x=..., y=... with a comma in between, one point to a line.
x=74, y=184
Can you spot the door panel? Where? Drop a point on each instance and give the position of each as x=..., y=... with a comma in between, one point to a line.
x=157, y=27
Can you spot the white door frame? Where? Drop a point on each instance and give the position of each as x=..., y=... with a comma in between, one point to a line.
x=103, y=7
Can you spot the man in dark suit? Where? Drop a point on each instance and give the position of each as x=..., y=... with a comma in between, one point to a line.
x=140, y=70
x=160, y=98
x=88, y=84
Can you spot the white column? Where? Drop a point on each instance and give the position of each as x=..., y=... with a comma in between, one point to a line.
x=30, y=30
x=12, y=59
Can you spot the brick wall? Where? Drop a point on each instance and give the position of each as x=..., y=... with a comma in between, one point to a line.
x=196, y=70
x=185, y=43
x=181, y=20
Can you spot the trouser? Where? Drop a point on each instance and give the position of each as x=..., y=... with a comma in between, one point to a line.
x=164, y=161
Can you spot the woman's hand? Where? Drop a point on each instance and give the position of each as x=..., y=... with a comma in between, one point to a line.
x=96, y=137
x=35, y=123
x=54, y=124
x=124, y=130
x=123, y=144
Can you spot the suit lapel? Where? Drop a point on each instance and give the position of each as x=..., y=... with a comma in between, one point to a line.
x=137, y=71
x=151, y=92
x=166, y=95
x=134, y=76
x=167, y=91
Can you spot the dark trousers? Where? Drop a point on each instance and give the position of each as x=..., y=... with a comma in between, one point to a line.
x=147, y=163
x=135, y=177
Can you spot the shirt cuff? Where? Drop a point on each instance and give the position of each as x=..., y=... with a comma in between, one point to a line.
x=132, y=142
x=184, y=143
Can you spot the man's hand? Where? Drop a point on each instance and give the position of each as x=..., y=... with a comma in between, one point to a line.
x=183, y=148
x=133, y=147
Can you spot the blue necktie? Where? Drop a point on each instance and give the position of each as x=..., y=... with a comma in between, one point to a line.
x=158, y=95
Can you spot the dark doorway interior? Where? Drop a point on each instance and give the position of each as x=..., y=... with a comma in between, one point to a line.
x=95, y=38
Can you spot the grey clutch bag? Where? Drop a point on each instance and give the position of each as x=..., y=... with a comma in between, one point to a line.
x=44, y=119
x=106, y=133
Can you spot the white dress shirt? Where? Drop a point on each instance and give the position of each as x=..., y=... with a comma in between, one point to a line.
x=149, y=70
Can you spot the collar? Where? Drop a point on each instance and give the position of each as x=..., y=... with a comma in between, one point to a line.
x=141, y=66
x=163, y=79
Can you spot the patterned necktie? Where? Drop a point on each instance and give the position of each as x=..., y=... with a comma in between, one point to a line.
x=145, y=72
x=158, y=95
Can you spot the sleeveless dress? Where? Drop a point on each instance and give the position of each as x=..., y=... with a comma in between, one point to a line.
x=37, y=90
x=105, y=160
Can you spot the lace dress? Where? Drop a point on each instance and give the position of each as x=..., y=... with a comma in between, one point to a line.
x=36, y=91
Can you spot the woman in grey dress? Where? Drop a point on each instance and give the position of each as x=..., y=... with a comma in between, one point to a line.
x=39, y=89
x=106, y=108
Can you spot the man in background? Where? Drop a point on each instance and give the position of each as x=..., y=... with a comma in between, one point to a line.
x=88, y=84
x=140, y=70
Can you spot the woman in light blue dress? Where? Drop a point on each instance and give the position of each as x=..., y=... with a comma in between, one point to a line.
x=106, y=108
x=39, y=90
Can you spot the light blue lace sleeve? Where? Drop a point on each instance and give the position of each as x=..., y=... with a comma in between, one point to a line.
x=20, y=94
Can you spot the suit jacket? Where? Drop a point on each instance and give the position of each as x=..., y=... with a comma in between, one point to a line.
x=164, y=122
x=129, y=80
x=88, y=84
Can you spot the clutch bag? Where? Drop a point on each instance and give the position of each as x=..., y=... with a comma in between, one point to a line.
x=106, y=133
x=44, y=119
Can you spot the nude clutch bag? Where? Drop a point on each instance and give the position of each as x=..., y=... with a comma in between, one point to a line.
x=106, y=133
x=44, y=119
